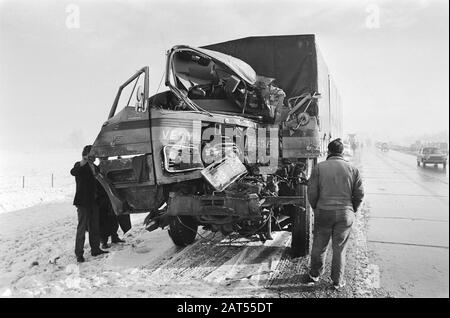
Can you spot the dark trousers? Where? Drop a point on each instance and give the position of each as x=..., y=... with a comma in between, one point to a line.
x=87, y=221
x=337, y=226
x=110, y=222
x=108, y=225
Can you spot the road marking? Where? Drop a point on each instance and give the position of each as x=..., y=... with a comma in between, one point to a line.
x=408, y=176
x=407, y=218
x=409, y=195
x=426, y=186
x=410, y=244
x=438, y=178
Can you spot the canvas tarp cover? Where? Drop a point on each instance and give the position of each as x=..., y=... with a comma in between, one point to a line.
x=290, y=59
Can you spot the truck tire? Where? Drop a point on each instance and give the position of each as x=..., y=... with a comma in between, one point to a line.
x=183, y=230
x=302, y=226
x=418, y=163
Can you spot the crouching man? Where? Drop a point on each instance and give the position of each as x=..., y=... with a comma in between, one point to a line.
x=335, y=192
x=85, y=201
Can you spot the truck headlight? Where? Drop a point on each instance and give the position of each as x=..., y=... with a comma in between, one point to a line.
x=179, y=158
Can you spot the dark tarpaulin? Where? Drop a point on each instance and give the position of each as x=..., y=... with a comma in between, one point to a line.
x=290, y=59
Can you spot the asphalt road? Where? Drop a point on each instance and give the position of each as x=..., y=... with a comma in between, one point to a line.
x=408, y=230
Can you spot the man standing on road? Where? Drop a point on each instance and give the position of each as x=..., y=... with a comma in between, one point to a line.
x=85, y=201
x=335, y=192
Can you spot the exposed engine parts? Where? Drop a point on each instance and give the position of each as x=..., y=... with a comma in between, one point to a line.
x=250, y=204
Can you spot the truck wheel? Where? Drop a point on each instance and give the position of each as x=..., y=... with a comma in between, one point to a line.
x=418, y=163
x=444, y=165
x=302, y=225
x=183, y=230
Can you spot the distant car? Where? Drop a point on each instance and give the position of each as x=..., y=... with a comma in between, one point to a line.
x=431, y=155
x=384, y=147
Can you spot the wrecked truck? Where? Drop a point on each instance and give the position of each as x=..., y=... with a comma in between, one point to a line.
x=229, y=145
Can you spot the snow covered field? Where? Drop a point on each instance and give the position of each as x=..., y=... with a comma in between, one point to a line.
x=37, y=258
x=26, y=178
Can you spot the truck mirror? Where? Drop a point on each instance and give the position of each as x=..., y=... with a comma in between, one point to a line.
x=139, y=93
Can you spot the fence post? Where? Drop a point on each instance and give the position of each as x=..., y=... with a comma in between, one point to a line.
x=52, y=180
x=23, y=181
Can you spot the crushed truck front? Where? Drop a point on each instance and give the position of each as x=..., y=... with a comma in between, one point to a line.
x=176, y=154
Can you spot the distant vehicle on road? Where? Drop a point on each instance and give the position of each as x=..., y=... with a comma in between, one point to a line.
x=347, y=150
x=384, y=147
x=432, y=155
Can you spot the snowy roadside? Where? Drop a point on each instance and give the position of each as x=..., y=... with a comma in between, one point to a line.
x=18, y=199
x=38, y=261
x=37, y=258
x=35, y=178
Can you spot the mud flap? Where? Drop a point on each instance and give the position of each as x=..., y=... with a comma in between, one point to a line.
x=301, y=226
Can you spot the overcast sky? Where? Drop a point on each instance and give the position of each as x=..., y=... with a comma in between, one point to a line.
x=57, y=82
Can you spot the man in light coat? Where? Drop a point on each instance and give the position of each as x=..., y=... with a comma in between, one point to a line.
x=335, y=192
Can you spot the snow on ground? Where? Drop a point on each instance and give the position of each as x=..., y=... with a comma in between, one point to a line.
x=37, y=257
x=16, y=199
x=37, y=233
x=37, y=260
x=26, y=178
x=37, y=251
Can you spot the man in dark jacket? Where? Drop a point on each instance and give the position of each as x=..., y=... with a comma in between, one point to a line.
x=335, y=192
x=85, y=201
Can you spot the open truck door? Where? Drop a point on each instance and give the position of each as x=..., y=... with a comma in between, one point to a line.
x=124, y=148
